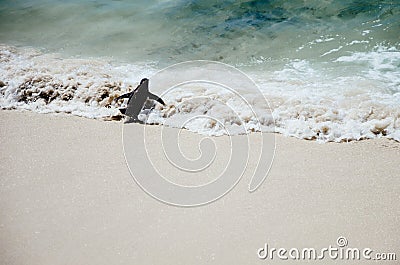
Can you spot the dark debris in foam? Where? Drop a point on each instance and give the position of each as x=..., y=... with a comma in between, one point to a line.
x=48, y=89
x=118, y=117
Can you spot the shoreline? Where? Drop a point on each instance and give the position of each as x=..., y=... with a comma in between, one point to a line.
x=66, y=193
x=45, y=83
x=119, y=119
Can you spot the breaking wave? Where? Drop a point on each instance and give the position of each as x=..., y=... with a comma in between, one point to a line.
x=305, y=101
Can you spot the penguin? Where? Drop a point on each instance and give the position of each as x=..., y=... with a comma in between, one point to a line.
x=137, y=99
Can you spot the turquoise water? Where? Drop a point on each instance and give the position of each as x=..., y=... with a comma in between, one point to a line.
x=308, y=57
x=235, y=32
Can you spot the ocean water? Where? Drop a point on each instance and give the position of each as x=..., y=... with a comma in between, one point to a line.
x=330, y=69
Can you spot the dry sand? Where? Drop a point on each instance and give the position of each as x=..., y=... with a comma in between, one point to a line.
x=67, y=197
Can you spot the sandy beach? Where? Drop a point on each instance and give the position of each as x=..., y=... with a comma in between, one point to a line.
x=260, y=132
x=67, y=197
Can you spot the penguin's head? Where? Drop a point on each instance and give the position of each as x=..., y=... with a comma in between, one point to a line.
x=143, y=80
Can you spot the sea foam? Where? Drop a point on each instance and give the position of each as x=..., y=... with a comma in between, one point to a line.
x=304, y=101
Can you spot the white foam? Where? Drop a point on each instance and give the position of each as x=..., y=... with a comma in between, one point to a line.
x=47, y=83
x=331, y=51
x=305, y=102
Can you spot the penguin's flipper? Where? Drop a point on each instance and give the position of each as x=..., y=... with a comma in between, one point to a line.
x=156, y=98
x=127, y=95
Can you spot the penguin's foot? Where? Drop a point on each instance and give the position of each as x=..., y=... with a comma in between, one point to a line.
x=133, y=120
